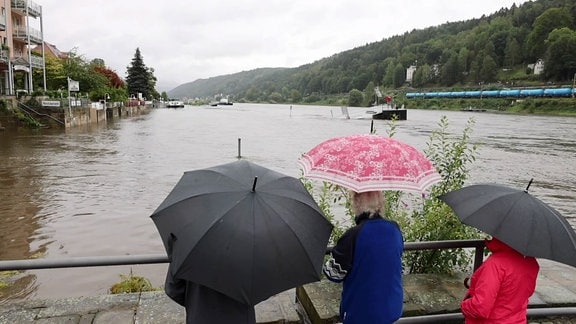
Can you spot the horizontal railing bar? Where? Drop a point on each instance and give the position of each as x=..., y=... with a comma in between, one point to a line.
x=94, y=261
x=551, y=311
x=446, y=318
x=99, y=261
x=432, y=245
x=437, y=318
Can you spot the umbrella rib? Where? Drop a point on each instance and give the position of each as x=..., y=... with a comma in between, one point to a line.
x=310, y=261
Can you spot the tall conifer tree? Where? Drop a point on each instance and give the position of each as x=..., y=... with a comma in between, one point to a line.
x=140, y=79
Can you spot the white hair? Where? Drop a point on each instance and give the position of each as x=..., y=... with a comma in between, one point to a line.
x=367, y=202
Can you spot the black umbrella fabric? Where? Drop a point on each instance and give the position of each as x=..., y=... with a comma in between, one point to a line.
x=244, y=230
x=517, y=218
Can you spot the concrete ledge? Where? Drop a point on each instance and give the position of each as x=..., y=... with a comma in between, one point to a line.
x=431, y=294
x=424, y=294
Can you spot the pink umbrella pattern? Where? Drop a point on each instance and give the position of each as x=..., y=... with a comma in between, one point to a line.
x=367, y=162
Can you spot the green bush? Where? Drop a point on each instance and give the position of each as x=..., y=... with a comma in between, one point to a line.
x=435, y=221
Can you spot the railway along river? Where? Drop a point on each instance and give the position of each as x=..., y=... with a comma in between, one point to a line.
x=90, y=191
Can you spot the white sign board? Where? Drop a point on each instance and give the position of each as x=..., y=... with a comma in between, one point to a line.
x=46, y=103
x=73, y=85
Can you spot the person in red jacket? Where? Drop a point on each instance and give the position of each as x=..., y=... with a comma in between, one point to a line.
x=500, y=287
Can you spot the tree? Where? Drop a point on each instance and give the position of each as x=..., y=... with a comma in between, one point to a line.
x=369, y=94
x=489, y=69
x=418, y=78
x=463, y=59
x=355, y=98
x=389, y=75
x=295, y=95
x=113, y=79
x=77, y=68
x=513, y=53
x=399, y=75
x=551, y=19
x=55, y=76
x=560, y=59
x=140, y=79
x=451, y=71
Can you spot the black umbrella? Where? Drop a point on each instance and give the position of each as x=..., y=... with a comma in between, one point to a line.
x=243, y=230
x=517, y=218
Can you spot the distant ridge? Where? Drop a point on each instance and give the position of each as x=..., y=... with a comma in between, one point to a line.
x=492, y=51
x=224, y=84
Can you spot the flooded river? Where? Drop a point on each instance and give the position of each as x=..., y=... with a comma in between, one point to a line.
x=90, y=191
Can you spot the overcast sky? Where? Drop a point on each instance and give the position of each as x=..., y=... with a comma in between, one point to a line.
x=184, y=40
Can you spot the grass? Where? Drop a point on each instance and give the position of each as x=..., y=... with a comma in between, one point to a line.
x=132, y=284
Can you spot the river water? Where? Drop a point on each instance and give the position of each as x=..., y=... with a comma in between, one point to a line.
x=90, y=191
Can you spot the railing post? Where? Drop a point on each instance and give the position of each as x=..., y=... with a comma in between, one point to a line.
x=478, y=256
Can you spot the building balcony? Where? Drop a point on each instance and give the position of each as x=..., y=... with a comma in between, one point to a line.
x=25, y=7
x=36, y=62
x=24, y=62
x=2, y=23
x=4, y=56
x=24, y=33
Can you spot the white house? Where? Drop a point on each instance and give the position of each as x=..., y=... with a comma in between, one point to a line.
x=537, y=67
x=410, y=73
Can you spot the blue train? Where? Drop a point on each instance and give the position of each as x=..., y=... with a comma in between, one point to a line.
x=505, y=93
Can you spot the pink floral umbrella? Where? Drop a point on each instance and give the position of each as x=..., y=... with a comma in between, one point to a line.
x=370, y=163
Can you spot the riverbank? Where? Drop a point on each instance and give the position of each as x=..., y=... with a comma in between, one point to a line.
x=536, y=106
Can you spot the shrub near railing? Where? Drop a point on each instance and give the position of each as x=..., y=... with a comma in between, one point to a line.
x=420, y=218
x=435, y=221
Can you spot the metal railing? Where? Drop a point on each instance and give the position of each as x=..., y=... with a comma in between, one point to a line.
x=533, y=313
x=29, y=111
x=97, y=261
x=100, y=261
x=77, y=262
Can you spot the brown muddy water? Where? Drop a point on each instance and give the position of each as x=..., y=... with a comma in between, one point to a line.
x=90, y=191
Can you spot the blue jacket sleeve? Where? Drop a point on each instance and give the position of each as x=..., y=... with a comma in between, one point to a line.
x=342, y=256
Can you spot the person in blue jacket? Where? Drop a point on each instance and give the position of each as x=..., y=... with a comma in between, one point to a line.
x=367, y=259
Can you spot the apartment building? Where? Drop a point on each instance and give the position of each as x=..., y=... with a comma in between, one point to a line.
x=19, y=34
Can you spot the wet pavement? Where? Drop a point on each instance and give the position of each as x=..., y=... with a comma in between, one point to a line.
x=425, y=295
x=142, y=308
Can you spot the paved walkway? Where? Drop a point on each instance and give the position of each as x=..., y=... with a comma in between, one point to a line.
x=424, y=295
x=144, y=308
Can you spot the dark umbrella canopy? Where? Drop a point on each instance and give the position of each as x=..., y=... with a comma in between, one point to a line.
x=244, y=230
x=517, y=218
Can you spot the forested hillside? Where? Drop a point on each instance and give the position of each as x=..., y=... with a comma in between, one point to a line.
x=490, y=50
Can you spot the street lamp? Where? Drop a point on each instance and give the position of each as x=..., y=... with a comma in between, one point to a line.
x=106, y=97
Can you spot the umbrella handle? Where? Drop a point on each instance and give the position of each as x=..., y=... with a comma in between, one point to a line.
x=525, y=190
x=254, y=185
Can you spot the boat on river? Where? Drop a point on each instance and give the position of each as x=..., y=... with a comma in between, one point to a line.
x=396, y=113
x=222, y=102
x=175, y=104
x=470, y=108
x=400, y=114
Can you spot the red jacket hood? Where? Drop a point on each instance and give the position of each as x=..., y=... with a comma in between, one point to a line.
x=495, y=245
